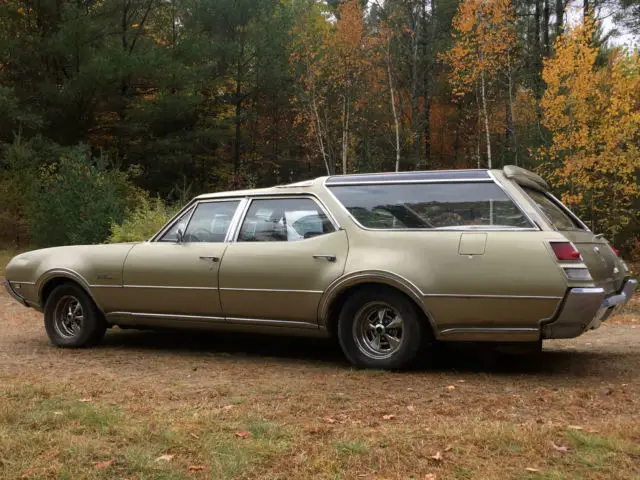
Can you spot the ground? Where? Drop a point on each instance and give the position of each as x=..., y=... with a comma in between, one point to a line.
x=150, y=405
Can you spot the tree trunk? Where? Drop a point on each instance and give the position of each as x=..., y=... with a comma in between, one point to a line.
x=512, y=138
x=545, y=28
x=483, y=93
x=393, y=108
x=537, y=50
x=416, y=131
x=345, y=129
x=585, y=9
x=559, y=16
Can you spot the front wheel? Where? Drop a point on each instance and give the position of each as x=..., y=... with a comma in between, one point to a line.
x=71, y=319
x=380, y=328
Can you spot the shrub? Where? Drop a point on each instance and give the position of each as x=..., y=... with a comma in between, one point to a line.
x=143, y=221
x=76, y=199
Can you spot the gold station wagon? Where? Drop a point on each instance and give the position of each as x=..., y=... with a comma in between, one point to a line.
x=386, y=263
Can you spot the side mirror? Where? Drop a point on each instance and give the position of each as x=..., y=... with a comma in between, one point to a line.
x=180, y=235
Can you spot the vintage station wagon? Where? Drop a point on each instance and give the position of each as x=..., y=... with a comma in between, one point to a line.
x=386, y=263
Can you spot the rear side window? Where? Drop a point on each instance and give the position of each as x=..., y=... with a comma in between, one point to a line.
x=559, y=218
x=431, y=205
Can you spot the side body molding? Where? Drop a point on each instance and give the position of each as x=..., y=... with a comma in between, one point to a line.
x=370, y=276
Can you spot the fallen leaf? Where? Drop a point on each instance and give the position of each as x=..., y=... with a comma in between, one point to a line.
x=437, y=457
x=559, y=448
x=411, y=408
x=85, y=400
x=106, y=463
x=242, y=434
x=196, y=468
x=448, y=448
x=532, y=470
x=57, y=413
x=227, y=407
x=165, y=458
x=430, y=476
x=391, y=416
x=575, y=427
x=312, y=430
x=329, y=420
x=451, y=388
x=194, y=436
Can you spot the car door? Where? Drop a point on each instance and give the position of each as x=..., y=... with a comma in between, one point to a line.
x=287, y=252
x=179, y=276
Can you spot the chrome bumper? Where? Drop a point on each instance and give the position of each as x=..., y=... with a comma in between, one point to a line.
x=7, y=285
x=585, y=309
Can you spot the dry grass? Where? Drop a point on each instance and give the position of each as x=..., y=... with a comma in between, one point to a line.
x=142, y=395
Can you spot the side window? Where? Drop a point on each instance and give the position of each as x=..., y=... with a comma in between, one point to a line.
x=180, y=224
x=284, y=220
x=210, y=222
x=431, y=206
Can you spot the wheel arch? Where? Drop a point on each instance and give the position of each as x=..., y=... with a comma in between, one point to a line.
x=54, y=278
x=338, y=292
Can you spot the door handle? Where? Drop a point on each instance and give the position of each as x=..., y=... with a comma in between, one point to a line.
x=213, y=259
x=328, y=258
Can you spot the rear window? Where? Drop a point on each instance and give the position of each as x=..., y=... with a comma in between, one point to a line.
x=431, y=205
x=556, y=215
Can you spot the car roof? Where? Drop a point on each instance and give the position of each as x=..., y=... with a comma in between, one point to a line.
x=355, y=179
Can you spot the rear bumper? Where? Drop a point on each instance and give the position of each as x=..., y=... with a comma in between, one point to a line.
x=7, y=285
x=585, y=309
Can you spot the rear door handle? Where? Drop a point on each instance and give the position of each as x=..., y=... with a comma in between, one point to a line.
x=213, y=259
x=328, y=258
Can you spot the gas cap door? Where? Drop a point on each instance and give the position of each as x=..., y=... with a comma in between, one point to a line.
x=472, y=244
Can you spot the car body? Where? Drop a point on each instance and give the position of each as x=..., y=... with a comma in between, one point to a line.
x=387, y=262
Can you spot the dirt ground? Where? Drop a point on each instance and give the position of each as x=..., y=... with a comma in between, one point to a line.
x=147, y=405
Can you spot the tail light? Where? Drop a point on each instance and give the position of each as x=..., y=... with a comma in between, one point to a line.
x=565, y=251
x=615, y=250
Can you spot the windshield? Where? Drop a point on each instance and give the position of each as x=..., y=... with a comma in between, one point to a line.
x=557, y=216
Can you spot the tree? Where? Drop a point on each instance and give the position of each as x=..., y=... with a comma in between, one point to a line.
x=593, y=115
x=484, y=35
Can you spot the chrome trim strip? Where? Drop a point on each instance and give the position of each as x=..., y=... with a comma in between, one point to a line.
x=450, y=170
x=396, y=182
x=594, y=290
x=164, y=315
x=270, y=290
x=22, y=283
x=105, y=286
x=273, y=323
x=465, y=228
x=170, y=287
x=514, y=330
x=518, y=297
x=311, y=196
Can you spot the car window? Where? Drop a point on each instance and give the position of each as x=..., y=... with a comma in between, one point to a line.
x=180, y=224
x=210, y=222
x=284, y=220
x=560, y=219
x=431, y=205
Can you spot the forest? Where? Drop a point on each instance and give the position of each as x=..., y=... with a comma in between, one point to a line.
x=115, y=112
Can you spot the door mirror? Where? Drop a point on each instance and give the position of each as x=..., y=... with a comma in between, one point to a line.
x=180, y=236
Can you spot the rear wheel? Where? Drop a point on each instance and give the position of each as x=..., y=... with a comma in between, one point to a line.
x=380, y=328
x=71, y=319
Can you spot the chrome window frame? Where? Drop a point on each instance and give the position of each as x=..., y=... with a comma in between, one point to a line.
x=307, y=196
x=157, y=238
x=460, y=228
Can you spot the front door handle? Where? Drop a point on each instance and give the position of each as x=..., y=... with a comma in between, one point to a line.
x=328, y=258
x=213, y=259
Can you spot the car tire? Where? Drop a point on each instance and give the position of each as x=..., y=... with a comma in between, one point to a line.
x=72, y=319
x=379, y=327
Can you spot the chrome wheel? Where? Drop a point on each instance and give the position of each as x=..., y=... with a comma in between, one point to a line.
x=378, y=330
x=68, y=317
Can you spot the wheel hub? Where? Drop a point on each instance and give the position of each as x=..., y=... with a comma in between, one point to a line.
x=378, y=330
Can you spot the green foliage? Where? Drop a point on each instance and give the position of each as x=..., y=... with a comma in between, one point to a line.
x=76, y=199
x=142, y=222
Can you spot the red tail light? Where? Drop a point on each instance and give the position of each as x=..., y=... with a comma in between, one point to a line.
x=565, y=251
x=615, y=250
